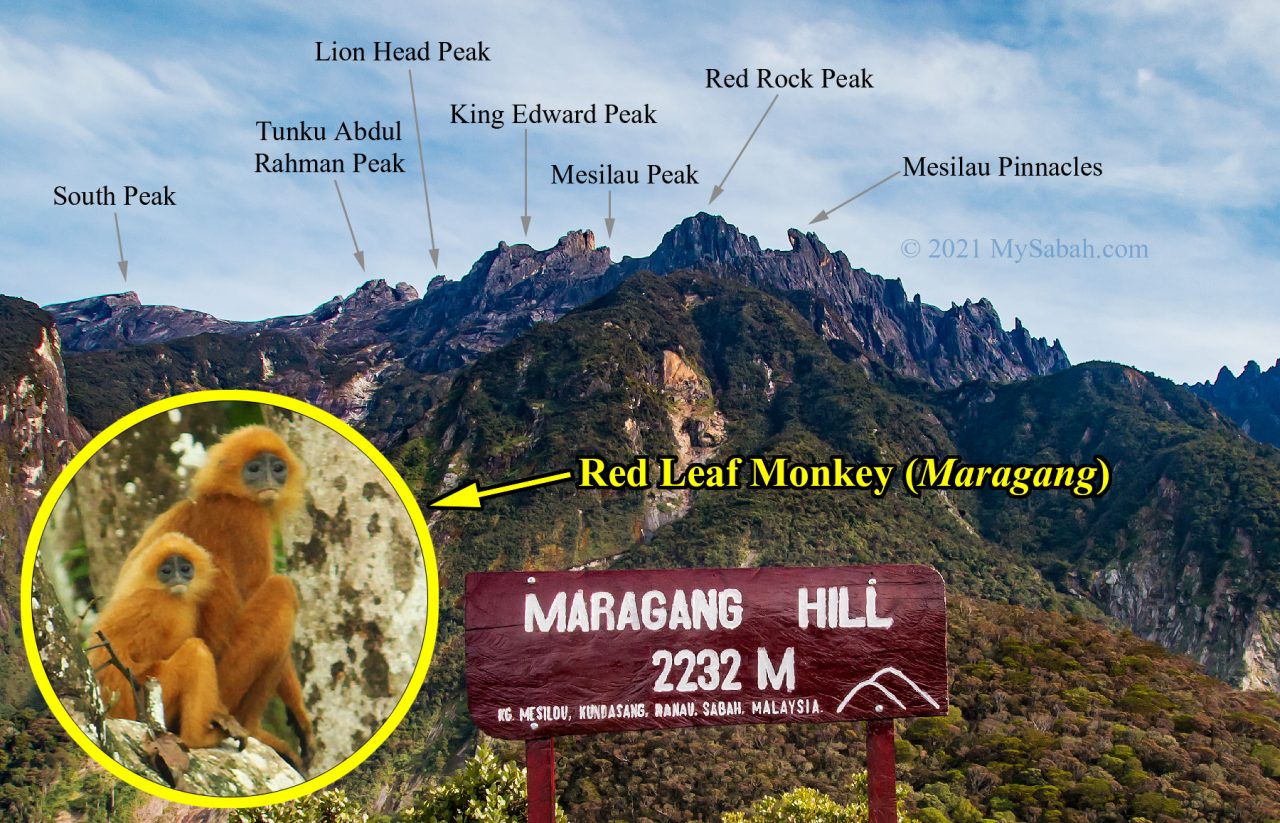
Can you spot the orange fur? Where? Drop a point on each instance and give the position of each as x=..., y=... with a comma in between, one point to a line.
x=247, y=620
x=151, y=629
x=220, y=474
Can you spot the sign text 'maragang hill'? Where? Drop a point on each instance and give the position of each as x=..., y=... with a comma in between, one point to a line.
x=695, y=610
x=552, y=653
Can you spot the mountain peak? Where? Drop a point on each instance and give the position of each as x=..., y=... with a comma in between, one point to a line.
x=511, y=287
x=581, y=241
x=371, y=298
x=508, y=289
x=111, y=320
x=696, y=241
x=379, y=291
x=869, y=313
x=96, y=308
x=1251, y=399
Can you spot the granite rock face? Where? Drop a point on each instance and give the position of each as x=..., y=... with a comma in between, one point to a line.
x=1184, y=546
x=381, y=330
x=1252, y=399
x=115, y=320
x=871, y=313
x=381, y=357
x=37, y=435
x=507, y=291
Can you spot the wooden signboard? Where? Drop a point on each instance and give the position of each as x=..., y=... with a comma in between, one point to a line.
x=556, y=653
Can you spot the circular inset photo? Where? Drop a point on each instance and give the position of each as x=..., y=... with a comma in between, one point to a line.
x=231, y=598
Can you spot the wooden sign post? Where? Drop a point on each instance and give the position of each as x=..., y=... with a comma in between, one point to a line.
x=882, y=778
x=554, y=653
x=540, y=779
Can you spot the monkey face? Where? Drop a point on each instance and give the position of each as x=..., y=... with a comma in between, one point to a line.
x=175, y=573
x=252, y=463
x=265, y=475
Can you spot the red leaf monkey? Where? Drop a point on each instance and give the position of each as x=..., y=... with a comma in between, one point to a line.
x=150, y=624
x=249, y=483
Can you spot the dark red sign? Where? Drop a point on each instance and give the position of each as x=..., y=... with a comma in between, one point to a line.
x=556, y=653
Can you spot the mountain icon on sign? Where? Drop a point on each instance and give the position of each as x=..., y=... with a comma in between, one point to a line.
x=894, y=678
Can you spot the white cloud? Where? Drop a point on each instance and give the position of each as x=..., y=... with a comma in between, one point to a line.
x=1153, y=91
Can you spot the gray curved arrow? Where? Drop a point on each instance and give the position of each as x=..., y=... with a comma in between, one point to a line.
x=426, y=196
x=123, y=264
x=359, y=254
x=825, y=213
x=718, y=190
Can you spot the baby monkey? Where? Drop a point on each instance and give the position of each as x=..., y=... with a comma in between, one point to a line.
x=148, y=629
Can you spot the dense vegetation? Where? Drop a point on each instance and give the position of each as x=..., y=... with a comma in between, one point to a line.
x=23, y=323
x=592, y=384
x=106, y=385
x=42, y=772
x=1194, y=501
x=1053, y=718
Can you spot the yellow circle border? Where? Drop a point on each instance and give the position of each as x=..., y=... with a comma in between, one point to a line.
x=424, y=656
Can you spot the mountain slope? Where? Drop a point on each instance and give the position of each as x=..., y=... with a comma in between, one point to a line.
x=697, y=366
x=1185, y=547
x=1053, y=718
x=1058, y=718
x=40, y=768
x=37, y=435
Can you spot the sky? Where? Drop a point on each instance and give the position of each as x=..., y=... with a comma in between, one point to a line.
x=1177, y=100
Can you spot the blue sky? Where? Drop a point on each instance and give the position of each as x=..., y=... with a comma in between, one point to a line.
x=1178, y=101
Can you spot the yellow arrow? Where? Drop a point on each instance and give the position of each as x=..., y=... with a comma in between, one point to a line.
x=469, y=496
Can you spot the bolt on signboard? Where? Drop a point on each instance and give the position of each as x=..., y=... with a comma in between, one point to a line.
x=557, y=653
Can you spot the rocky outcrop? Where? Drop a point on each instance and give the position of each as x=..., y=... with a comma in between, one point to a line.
x=115, y=320
x=697, y=431
x=870, y=313
x=507, y=291
x=1252, y=399
x=379, y=330
x=1182, y=547
x=37, y=435
x=1220, y=621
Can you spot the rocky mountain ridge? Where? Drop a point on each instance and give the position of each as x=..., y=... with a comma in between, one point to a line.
x=115, y=321
x=699, y=363
x=873, y=314
x=513, y=287
x=1252, y=399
